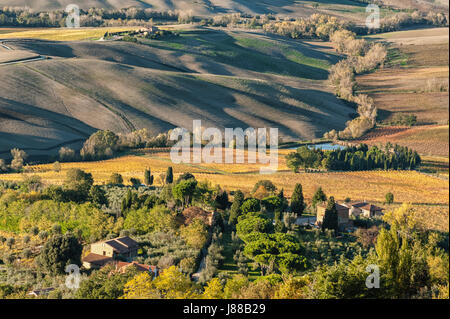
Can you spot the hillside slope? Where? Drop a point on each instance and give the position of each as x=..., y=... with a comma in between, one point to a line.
x=415, y=82
x=349, y=9
x=226, y=79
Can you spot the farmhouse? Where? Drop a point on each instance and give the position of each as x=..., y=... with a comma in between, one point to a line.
x=342, y=211
x=95, y=261
x=363, y=209
x=108, y=250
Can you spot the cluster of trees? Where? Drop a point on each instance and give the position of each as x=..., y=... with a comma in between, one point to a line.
x=403, y=119
x=266, y=229
x=166, y=249
x=361, y=57
x=411, y=264
x=317, y=26
x=354, y=158
x=100, y=145
x=406, y=19
x=94, y=17
x=294, y=262
x=17, y=161
x=104, y=144
x=322, y=26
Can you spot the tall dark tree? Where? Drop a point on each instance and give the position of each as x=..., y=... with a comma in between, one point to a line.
x=169, y=175
x=58, y=252
x=297, y=200
x=235, y=210
x=148, y=177
x=330, y=220
x=97, y=196
x=221, y=199
x=319, y=196
x=283, y=200
x=79, y=182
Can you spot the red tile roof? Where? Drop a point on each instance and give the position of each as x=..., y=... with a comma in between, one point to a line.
x=122, y=266
x=337, y=205
x=371, y=207
x=96, y=259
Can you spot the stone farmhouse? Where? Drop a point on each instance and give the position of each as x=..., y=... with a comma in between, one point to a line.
x=363, y=209
x=347, y=210
x=342, y=211
x=106, y=251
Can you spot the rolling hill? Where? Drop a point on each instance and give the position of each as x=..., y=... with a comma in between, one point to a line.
x=348, y=9
x=414, y=81
x=225, y=78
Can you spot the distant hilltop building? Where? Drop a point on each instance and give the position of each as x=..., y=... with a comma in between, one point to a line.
x=143, y=32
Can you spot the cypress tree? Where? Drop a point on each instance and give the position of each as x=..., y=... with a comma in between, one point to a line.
x=235, y=209
x=169, y=175
x=148, y=177
x=297, y=200
x=330, y=220
x=318, y=197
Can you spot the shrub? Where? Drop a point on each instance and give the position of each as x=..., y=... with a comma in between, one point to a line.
x=26, y=253
x=18, y=160
x=101, y=144
x=66, y=154
x=115, y=179
x=58, y=252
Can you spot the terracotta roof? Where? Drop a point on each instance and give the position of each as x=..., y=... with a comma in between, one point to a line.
x=337, y=205
x=371, y=207
x=122, y=266
x=357, y=204
x=96, y=259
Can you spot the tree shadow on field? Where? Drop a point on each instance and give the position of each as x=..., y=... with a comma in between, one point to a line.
x=45, y=47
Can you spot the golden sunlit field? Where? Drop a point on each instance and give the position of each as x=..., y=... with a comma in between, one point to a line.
x=60, y=34
x=407, y=186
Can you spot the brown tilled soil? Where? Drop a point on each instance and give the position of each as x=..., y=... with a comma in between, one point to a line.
x=426, y=140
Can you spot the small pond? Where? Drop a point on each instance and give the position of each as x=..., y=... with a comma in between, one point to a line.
x=323, y=146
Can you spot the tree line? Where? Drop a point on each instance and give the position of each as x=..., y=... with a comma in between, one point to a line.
x=359, y=158
x=317, y=26
x=94, y=17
